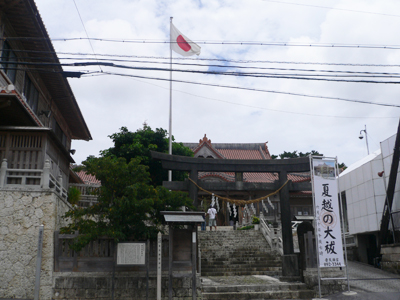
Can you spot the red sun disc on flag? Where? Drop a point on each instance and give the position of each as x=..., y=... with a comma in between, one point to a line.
x=183, y=44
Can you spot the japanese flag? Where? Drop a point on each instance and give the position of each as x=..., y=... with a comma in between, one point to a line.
x=181, y=44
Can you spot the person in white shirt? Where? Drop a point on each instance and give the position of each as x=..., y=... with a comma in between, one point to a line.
x=212, y=220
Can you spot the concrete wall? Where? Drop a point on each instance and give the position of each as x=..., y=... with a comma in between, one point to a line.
x=366, y=191
x=365, y=194
x=387, y=147
x=391, y=258
x=21, y=214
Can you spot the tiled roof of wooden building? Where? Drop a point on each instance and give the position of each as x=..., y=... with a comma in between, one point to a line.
x=255, y=151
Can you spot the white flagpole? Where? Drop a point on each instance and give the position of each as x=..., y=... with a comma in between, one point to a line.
x=170, y=98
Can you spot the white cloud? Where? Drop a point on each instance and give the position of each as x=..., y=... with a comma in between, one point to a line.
x=110, y=102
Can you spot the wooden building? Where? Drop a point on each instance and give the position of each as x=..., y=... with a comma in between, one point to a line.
x=261, y=183
x=39, y=115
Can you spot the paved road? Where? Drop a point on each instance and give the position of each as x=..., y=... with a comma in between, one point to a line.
x=370, y=284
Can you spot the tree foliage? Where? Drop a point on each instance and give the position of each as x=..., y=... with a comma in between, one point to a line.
x=138, y=144
x=130, y=198
x=296, y=154
x=128, y=205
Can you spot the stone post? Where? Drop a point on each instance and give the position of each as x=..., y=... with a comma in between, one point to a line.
x=60, y=181
x=46, y=174
x=3, y=171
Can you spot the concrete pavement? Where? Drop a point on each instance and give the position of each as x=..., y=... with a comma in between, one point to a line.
x=370, y=284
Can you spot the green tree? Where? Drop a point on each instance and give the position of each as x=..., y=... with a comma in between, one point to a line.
x=138, y=144
x=294, y=154
x=128, y=205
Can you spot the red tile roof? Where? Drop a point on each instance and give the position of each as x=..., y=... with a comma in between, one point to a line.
x=240, y=151
x=241, y=154
x=87, y=178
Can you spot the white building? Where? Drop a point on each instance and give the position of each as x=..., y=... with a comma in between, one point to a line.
x=363, y=194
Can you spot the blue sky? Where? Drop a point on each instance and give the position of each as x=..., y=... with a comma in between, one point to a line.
x=226, y=115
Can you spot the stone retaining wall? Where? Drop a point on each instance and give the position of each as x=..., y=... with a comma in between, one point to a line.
x=91, y=286
x=21, y=214
x=391, y=258
x=328, y=287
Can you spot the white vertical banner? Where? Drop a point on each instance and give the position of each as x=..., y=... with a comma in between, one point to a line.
x=327, y=213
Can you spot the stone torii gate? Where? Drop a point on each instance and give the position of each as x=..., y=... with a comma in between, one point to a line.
x=239, y=166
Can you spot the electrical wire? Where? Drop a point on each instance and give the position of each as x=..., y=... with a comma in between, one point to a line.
x=335, y=8
x=255, y=90
x=315, y=77
x=208, y=59
x=212, y=65
x=242, y=43
x=87, y=35
x=268, y=109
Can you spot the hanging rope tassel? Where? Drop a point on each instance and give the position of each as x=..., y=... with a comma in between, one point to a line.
x=265, y=207
x=240, y=202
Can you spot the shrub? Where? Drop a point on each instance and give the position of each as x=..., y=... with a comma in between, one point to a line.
x=246, y=227
x=74, y=195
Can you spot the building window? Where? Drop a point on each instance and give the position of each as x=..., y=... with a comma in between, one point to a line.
x=59, y=133
x=31, y=94
x=9, y=59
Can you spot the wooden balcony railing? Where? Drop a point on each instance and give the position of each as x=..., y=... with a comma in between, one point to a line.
x=31, y=178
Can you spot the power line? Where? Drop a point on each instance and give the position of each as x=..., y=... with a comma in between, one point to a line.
x=87, y=35
x=224, y=66
x=203, y=42
x=315, y=77
x=208, y=59
x=334, y=8
x=280, y=111
x=257, y=90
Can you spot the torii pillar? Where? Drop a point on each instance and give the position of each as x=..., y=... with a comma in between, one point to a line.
x=290, y=265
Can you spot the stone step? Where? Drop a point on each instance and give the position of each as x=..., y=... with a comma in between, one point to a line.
x=211, y=267
x=241, y=262
x=240, y=265
x=242, y=244
x=237, y=256
x=260, y=262
x=239, y=269
x=241, y=273
x=232, y=262
x=300, y=294
x=250, y=265
x=278, y=286
x=224, y=263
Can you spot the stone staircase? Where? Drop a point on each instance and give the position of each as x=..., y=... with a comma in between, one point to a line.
x=237, y=252
x=239, y=265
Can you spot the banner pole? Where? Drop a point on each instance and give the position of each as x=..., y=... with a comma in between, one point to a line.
x=315, y=223
x=170, y=97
